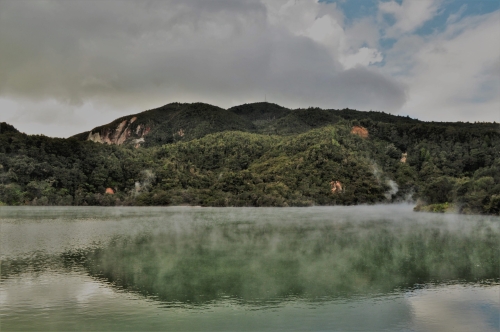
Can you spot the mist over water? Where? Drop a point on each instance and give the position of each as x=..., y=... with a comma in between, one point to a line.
x=326, y=268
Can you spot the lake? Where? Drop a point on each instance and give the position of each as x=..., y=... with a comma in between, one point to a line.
x=363, y=268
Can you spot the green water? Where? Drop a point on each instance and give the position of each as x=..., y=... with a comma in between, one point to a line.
x=378, y=268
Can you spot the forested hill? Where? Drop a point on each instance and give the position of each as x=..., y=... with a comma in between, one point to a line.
x=7, y=128
x=257, y=154
x=183, y=122
x=177, y=122
x=167, y=124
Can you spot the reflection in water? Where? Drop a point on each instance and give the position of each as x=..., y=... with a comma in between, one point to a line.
x=255, y=261
x=478, y=308
x=360, y=268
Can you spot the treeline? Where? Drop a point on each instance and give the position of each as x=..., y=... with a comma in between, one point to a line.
x=439, y=165
x=223, y=169
x=244, y=169
x=451, y=166
x=40, y=170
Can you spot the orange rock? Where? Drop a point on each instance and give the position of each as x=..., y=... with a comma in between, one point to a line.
x=361, y=131
x=110, y=191
x=336, y=186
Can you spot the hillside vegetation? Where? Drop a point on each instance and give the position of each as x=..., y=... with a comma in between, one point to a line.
x=258, y=154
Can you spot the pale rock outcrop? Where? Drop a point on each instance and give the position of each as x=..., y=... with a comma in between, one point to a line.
x=138, y=142
x=94, y=137
x=120, y=127
x=121, y=133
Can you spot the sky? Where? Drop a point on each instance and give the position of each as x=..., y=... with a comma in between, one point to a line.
x=69, y=66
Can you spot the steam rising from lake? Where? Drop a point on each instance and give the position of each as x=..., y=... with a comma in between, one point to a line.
x=254, y=257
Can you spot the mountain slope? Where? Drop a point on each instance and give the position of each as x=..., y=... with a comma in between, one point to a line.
x=262, y=111
x=258, y=155
x=167, y=124
x=183, y=122
x=7, y=128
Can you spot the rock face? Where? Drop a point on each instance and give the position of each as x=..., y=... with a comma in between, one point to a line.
x=120, y=134
x=138, y=142
x=360, y=131
x=167, y=124
x=336, y=187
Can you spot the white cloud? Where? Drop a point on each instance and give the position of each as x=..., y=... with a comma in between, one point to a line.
x=363, y=32
x=452, y=18
x=409, y=15
x=365, y=57
x=327, y=31
x=122, y=55
x=453, y=75
x=68, y=66
x=325, y=24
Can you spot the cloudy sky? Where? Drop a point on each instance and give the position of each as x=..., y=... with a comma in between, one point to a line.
x=68, y=66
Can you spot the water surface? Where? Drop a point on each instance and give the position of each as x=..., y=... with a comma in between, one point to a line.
x=181, y=268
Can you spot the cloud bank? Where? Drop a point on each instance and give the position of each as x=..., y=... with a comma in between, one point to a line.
x=67, y=66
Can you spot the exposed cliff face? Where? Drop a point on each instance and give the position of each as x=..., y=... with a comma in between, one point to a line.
x=167, y=124
x=120, y=134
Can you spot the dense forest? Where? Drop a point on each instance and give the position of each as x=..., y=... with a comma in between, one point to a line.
x=257, y=154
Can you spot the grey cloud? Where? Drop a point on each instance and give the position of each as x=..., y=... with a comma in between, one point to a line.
x=43, y=116
x=145, y=54
x=364, y=87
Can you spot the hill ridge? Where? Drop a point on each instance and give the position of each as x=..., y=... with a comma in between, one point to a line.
x=175, y=122
x=258, y=155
